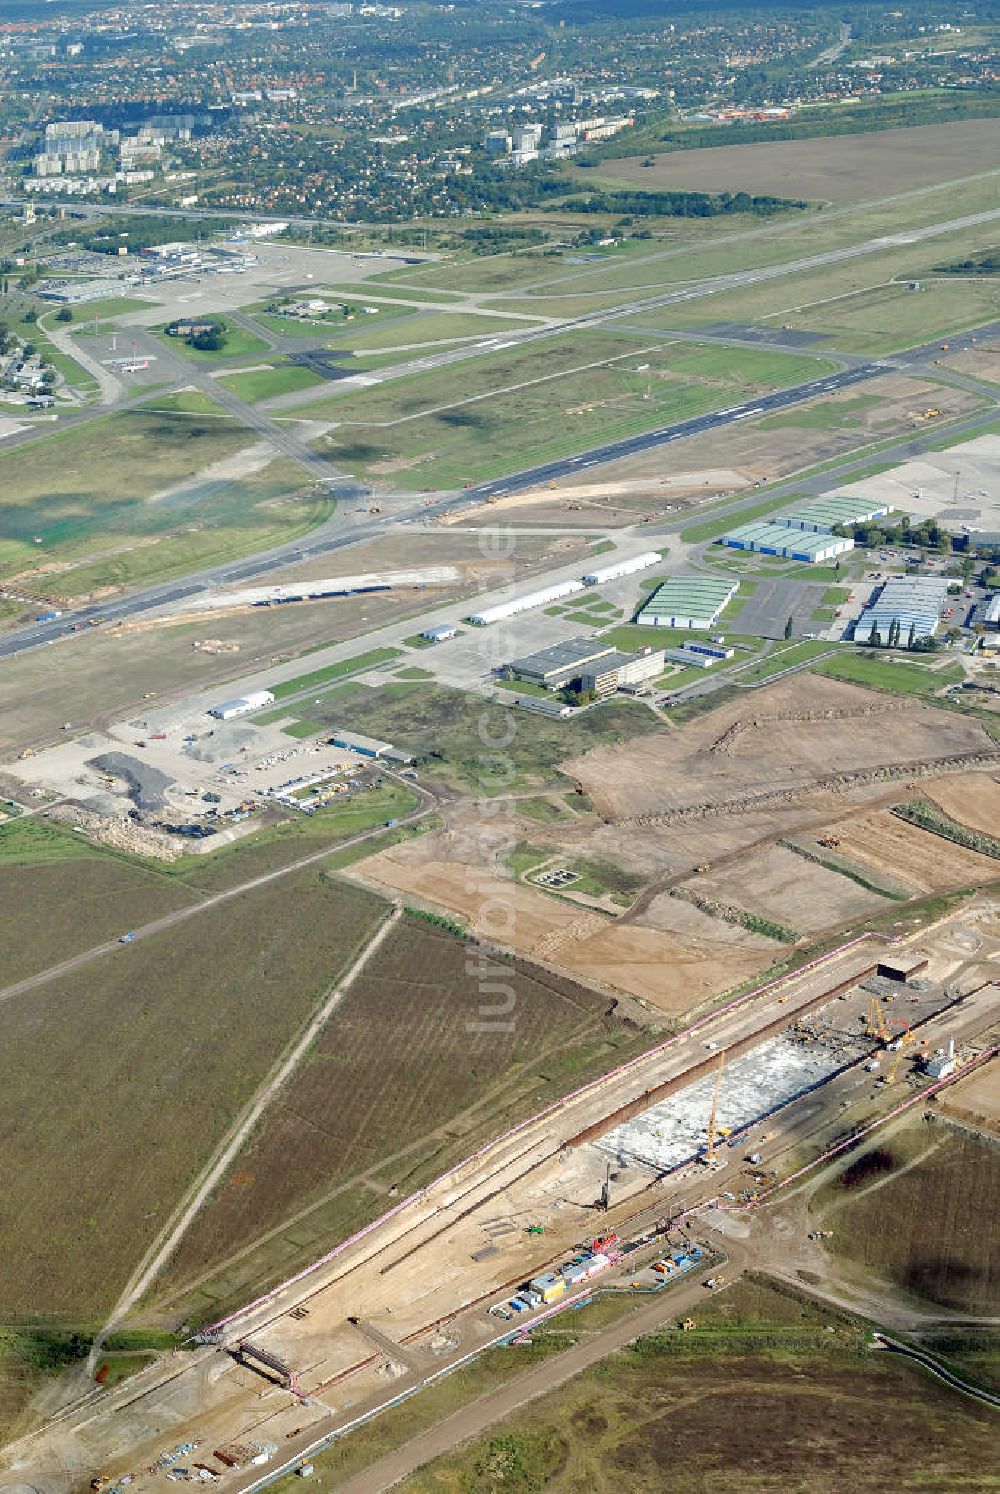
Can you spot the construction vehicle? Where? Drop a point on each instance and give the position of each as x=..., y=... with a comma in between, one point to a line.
x=900, y=1054
x=704, y=867
x=931, y=414
x=536, y=1229
x=831, y=842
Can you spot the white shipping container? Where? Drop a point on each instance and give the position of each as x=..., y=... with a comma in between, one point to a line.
x=599, y=1262
x=621, y=568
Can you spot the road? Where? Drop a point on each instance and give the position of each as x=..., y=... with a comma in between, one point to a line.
x=170, y=920
x=676, y=1301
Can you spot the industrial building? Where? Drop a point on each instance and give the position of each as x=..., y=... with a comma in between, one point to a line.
x=439, y=634
x=556, y=667
x=687, y=602
x=530, y=600
x=824, y=514
x=622, y=568
x=353, y=741
x=912, y=602
x=227, y=709
x=775, y=538
x=695, y=655
x=586, y=664
x=619, y=671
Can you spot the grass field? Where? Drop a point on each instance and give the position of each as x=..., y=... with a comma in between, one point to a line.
x=265, y=383
x=77, y=487
x=333, y=672
x=451, y=731
x=147, y=1055
x=408, y=326
x=239, y=344
x=886, y=674
x=222, y=520
x=783, y=658
x=755, y=1399
x=383, y=1091
x=926, y=1230
x=540, y=414
x=423, y=392
x=184, y=402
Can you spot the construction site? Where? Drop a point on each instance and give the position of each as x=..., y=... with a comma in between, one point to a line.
x=721, y=1115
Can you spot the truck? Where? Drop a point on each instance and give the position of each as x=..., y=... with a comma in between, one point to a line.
x=126, y=938
x=47, y=617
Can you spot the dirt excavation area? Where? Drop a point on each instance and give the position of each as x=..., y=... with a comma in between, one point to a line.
x=713, y=848
x=803, y=733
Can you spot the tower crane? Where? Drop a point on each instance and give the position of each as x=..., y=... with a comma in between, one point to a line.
x=877, y=1027
x=711, y=1158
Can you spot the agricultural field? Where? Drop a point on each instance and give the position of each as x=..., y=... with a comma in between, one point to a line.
x=913, y=1210
x=147, y=1055
x=658, y=1415
x=60, y=895
x=832, y=168
x=399, y=1085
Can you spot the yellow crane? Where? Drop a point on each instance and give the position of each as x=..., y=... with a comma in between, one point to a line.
x=878, y=1027
x=711, y=1158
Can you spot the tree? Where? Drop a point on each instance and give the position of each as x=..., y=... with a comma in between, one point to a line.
x=64, y=314
x=788, y=628
x=911, y=641
x=875, y=638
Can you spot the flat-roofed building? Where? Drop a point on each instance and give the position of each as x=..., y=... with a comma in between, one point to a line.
x=616, y=670
x=558, y=666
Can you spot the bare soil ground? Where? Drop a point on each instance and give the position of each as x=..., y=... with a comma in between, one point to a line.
x=835, y=168
x=470, y=552
x=787, y=737
x=673, y=966
x=892, y=848
x=779, y=885
x=973, y=799
x=975, y=1100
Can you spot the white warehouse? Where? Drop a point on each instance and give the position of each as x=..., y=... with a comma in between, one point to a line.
x=524, y=604
x=622, y=568
x=227, y=709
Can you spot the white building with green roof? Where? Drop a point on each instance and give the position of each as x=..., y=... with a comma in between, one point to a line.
x=687, y=602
